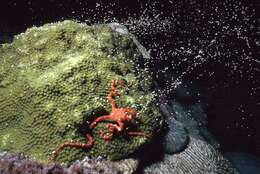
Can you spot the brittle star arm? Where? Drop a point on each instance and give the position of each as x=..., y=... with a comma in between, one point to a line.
x=114, y=92
x=139, y=134
x=99, y=119
x=89, y=143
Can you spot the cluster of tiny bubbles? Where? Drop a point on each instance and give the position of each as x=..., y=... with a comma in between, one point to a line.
x=174, y=53
x=189, y=39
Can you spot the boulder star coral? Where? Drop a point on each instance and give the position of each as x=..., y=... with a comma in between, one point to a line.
x=54, y=81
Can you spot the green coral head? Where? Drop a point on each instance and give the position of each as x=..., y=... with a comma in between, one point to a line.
x=55, y=79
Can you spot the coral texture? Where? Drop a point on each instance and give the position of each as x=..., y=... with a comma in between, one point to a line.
x=199, y=157
x=54, y=80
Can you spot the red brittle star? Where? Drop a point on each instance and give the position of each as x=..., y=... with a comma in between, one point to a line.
x=119, y=115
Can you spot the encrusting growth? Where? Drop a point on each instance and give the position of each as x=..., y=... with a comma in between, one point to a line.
x=118, y=115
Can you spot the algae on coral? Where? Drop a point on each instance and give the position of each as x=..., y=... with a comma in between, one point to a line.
x=55, y=79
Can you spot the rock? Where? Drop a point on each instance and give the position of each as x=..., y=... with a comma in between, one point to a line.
x=176, y=138
x=244, y=162
x=126, y=166
x=191, y=116
x=199, y=157
x=194, y=120
x=55, y=79
x=18, y=164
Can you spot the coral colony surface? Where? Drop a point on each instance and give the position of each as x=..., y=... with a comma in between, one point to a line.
x=55, y=81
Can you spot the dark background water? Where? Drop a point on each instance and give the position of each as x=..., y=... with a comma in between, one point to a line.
x=213, y=45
